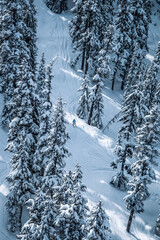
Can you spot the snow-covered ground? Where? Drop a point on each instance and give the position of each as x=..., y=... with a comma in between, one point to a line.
x=88, y=145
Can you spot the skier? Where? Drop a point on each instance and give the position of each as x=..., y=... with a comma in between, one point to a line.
x=74, y=122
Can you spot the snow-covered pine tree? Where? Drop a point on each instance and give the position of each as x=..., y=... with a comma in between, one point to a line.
x=148, y=9
x=103, y=69
x=71, y=220
x=10, y=47
x=123, y=42
x=132, y=118
x=83, y=102
x=60, y=6
x=5, y=49
x=14, y=48
x=50, y=4
x=58, y=194
x=134, y=70
x=56, y=150
x=2, y=11
x=98, y=224
x=45, y=110
x=149, y=135
x=21, y=142
x=21, y=183
x=157, y=227
x=54, y=185
x=30, y=35
x=76, y=28
x=77, y=178
x=41, y=75
x=57, y=6
x=139, y=12
x=148, y=138
x=96, y=104
x=156, y=99
x=142, y=175
x=31, y=229
x=87, y=30
x=151, y=79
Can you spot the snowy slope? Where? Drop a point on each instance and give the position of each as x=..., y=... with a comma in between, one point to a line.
x=88, y=145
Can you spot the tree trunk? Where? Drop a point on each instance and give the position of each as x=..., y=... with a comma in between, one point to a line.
x=130, y=220
x=86, y=65
x=91, y=109
x=20, y=218
x=113, y=79
x=83, y=57
x=122, y=85
x=123, y=80
x=90, y=113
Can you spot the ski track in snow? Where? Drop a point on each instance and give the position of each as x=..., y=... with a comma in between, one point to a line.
x=92, y=149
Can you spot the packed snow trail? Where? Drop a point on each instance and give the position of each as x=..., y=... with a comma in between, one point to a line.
x=89, y=147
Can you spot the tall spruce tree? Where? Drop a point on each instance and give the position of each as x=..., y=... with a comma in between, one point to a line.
x=103, y=69
x=148, y=138
x=14, y=48
x=45, y=110
x=135, y=69
x=57, y=6
x=30, y=35
x=151, y=79
x=132, y=118
x=50, y=194
x=76, y=29
x=83, y=107
x=148, y=9
x=98, y=224
x=56, y=150
x=71, y=220
x=96, y=105
x=123, y=42
x=31, y=229
x=140, y=23
x=142, y=174
x=89, y=35
x=22, y=143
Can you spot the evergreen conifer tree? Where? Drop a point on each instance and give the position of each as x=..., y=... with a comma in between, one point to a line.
x=21, y=142
x=71, y=220
x=30, y=36
x=52, y=186
x=56, y=150
x=148, y=9
x=135, y=69
x=41, y=75
x=83, y=107
x=142, y=175
x=31, y=229
x=140, y=23
x=88, y=36
x=132, y=118
x=98, y=224
x=57, y=6
x=151, y=80
x=45, y=111
x=103, y=69
x=96, y=105
x=14, y=48
x=148, y=138
x=123, y=42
